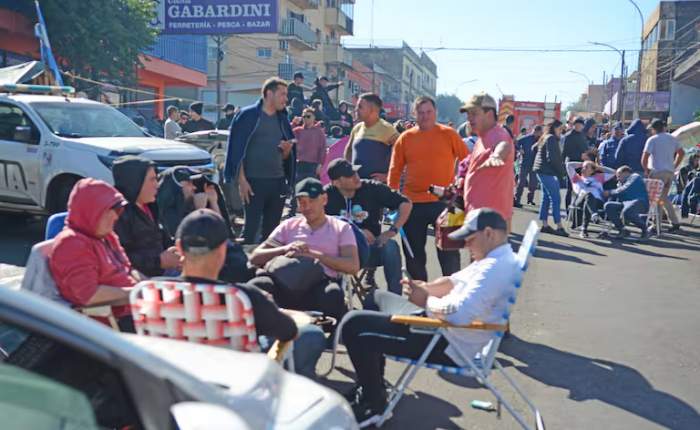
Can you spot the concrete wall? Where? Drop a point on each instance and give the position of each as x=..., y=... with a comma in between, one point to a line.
x=684, y=101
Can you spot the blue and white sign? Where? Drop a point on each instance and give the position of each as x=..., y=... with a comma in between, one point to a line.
x=217, y=16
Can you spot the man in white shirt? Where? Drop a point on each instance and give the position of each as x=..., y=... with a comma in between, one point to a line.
x=171, y=128
x=478, y=292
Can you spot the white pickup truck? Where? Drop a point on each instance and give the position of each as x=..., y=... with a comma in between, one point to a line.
x=49, y=142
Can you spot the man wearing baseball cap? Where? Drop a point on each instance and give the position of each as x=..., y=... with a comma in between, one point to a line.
x=201, y=239
x=314, y=235
x=575, y=145
x=225, y=123
x=608, y=147
x=477, y=292
x=363, y=201
x=490, y=179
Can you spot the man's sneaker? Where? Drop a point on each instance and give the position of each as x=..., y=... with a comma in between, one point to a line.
x=622, y=234
x=595, y=218
x=674, y=228
x=531, y=203
x=546, y=229
x=517, y=204
x=644, y=234
x=561, y=232
x=583, y=234
x=366, y=414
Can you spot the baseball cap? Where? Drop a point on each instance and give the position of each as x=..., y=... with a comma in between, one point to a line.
x=481, y=100
x=478, y=220
x=579, y=120
x=299, y=75
x=228, y=106
x=309, y=187
x=341, y=168
x=202, y=231
x=184, y=173
x=618, y=126
x=656, y=124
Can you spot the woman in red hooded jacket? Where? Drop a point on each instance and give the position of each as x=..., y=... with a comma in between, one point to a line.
x=87, y=262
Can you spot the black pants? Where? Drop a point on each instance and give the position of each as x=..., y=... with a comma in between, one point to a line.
x=368, y=335
x=416, y=228
x=265, y=207
x=526, y=178
x=327, y=297
x=569, y=194
x=588, y=205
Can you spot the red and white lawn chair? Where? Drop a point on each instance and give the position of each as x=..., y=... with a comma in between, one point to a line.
x=217, y=315
x=654, y=189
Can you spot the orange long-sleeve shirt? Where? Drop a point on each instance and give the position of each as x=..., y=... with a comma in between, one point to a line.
x=429, y=158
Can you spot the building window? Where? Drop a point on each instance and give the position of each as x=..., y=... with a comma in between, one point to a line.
x=264, y=53
x=284, y=45
x=667, y=29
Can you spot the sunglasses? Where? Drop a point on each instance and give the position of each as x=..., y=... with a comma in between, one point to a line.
x=118, y=208
x=307, y=116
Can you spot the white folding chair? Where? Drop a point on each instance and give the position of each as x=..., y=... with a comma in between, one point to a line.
x=479, y=367
x=217, y=315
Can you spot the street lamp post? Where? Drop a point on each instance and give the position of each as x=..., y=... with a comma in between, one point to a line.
x=588, y=83
x=638, y=92
x=621, y=97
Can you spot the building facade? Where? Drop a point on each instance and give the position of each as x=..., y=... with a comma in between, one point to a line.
x=416, y=74
x=307, y=41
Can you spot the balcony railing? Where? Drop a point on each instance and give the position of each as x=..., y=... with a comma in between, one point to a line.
x=187, y=51
x=305, y=4
x=287, y=70
x=298, y=32
x=337, y=20
x=336, y=54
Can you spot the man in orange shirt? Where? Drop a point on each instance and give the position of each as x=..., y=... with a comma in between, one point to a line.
x=490, y=176
x=428, y=153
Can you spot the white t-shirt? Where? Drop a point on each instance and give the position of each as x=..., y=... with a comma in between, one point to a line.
x=480, y=292
x=662, y=147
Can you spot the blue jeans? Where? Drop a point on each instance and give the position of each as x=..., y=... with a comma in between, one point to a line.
x=550, y=195
x=629, y=210
x=307, y=349
x=388, y=256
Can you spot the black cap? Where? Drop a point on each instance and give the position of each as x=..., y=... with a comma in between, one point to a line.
x=184, y=173
x=299, y=75
x=579, y=120
x=202, y=231
x=197, y=107
x=478, y=220
x=309, y=187
x=322, y=78
x=657, y=124
x=228, y=106
x=341, y=168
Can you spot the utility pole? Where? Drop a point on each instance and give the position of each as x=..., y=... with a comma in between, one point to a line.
x=638, y=93
x=219, y=58
x=622, y=88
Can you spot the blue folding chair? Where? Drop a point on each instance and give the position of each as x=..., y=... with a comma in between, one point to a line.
x=54, y=225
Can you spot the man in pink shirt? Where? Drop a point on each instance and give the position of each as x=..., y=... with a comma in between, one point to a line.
x=311, y=150
x=327, y=239
x=490, y=176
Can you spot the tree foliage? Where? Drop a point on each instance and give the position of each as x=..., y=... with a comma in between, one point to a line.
x=448, y=108
x=97, y=38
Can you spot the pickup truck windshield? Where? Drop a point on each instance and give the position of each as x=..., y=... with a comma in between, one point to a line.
x=86, y=120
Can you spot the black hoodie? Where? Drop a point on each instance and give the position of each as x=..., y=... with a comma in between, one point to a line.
x=141, y=235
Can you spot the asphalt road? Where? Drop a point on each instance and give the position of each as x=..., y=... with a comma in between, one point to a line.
x=604, y=336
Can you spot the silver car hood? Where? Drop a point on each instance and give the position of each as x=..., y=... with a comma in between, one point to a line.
x=259, y=389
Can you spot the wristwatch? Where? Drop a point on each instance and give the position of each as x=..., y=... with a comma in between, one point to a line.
x=394, y=229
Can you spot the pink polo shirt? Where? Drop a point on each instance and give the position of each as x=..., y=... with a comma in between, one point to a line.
x=490, y=187
x=327, y=239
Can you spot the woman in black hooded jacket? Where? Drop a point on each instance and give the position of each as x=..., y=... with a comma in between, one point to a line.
x=549, y=167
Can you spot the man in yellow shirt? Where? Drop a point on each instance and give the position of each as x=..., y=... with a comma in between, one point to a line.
x=371, y=140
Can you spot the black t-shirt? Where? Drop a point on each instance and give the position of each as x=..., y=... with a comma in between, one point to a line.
x=201, y=124
x=367, y=205
x=269, y=320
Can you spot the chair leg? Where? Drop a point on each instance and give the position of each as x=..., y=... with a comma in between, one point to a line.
x=409, y=373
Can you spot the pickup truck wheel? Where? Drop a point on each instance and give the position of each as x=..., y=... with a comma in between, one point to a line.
x=59, y=194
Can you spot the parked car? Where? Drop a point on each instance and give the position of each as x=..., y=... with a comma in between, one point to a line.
x=145, y=382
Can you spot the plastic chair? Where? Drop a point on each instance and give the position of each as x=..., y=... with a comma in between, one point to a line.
x=217, y=315
x=654, y=189
x=54, y=225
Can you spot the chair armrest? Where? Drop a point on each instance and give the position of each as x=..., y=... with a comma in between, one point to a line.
x=437, y=323
x=279, y=350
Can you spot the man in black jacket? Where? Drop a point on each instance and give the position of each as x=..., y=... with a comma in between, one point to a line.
x=575, y=144
x=140, y=233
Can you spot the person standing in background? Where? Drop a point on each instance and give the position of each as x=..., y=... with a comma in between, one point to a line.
x=225, y=122
x=171, y=129
x=526, y=177
x=311, y=150
x=197, y=122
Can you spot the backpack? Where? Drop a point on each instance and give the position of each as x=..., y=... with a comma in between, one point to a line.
x=361, y=240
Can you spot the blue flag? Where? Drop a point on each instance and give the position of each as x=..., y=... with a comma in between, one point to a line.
x=46, y=55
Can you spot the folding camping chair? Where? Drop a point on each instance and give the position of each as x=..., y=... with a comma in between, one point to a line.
x=654, y=189
x=217, y=315
x=478, y=367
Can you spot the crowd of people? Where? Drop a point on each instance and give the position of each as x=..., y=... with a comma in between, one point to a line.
x=175, y=225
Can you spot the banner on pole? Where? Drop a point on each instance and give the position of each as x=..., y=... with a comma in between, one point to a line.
x=217, y=16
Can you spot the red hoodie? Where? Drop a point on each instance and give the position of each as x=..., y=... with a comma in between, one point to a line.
x=79, y=261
